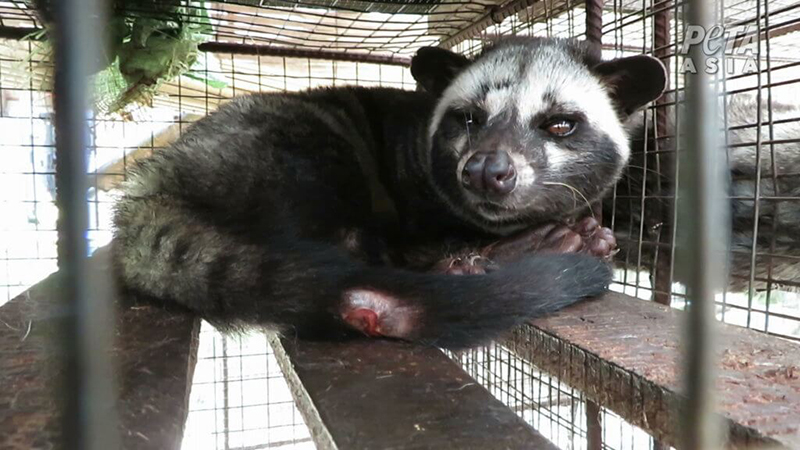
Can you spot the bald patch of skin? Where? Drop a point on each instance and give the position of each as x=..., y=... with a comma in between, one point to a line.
x=377, y=314
x=496, y=101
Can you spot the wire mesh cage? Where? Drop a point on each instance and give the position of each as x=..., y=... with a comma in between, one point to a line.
x=239, y=399
x=756, y=75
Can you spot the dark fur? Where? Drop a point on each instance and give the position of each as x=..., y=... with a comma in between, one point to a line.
x=271, y=209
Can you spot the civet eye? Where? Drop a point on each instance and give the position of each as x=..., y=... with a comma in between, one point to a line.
x=560, y=127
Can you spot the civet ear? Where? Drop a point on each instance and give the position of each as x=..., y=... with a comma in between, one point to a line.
x=434, y=68
x=633, y=81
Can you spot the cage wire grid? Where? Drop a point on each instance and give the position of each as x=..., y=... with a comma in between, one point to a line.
x=364, y=28
x=558, y=411
x=768, y=302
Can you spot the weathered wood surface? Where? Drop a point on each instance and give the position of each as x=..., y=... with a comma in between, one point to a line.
x=371, y=394
x=154, y=353
x=625, y=354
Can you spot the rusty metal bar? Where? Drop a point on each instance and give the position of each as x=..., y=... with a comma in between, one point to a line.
x=594, y=35
x=17, y=33
x=658, y=445
x=594, y=426
x=495, y=16
x=706, y=226
x=84, y=335
x=594, y=24
x=268, y=50
x=661, y=37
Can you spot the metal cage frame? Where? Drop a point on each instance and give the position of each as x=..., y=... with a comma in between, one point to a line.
x=384, y=35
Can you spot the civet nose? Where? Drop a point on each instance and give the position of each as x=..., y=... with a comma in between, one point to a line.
x=490, y=173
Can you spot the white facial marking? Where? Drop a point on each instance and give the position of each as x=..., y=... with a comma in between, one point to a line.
x=525, y=172
x=557, y=157
x=468, y=85
x=497, y=100
x=547, y=72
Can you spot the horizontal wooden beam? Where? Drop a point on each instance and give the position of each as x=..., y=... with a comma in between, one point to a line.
x=154, y=354
x=624, y=354
x=369, y=394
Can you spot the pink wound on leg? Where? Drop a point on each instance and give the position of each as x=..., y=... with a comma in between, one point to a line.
x=377, y=314
x=364, y=320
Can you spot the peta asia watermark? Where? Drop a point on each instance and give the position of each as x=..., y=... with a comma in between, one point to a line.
x=739, y=46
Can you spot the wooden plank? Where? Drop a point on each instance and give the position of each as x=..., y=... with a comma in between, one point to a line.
x=154, y=355
x=373, y=394
x=624, y=353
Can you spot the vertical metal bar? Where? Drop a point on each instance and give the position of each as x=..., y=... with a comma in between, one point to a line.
x=705, y=211
x=751, y=291
x=594, y=35
x=594, y=24
x=776, y=190
x=594, y=428
x=662, y=285
x=677, y=11
x=658, y=445
x=86, y=395
x=642, y=203
x=726, y=138
x=226, y=406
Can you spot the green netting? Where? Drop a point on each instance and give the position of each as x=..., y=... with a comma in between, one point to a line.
x=146, y=47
